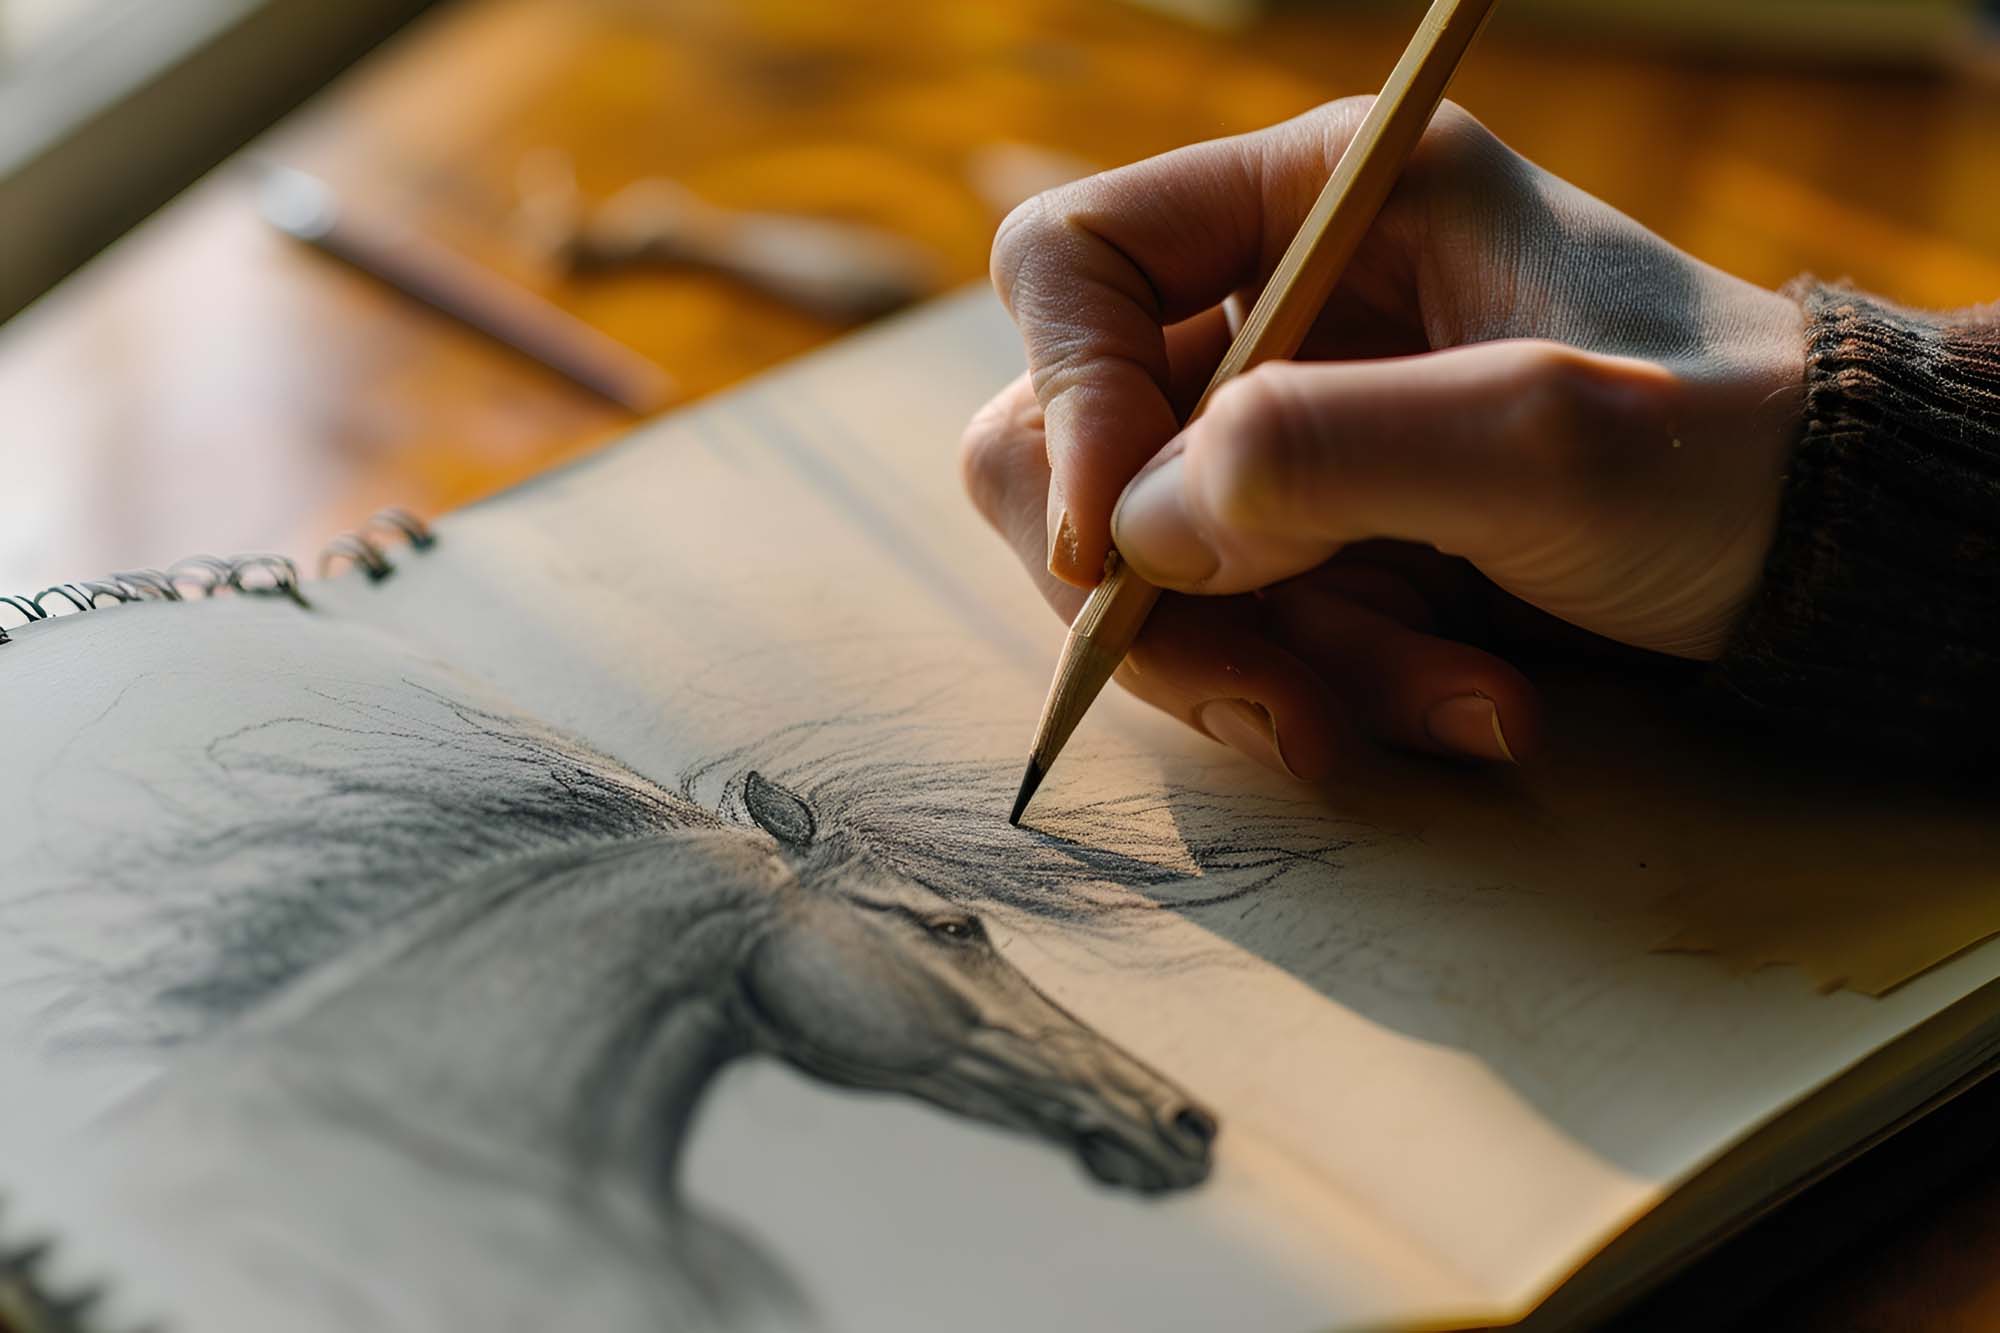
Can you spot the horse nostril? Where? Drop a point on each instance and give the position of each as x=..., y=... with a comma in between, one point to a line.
x=1196, y=1123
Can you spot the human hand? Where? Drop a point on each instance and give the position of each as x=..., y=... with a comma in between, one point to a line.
x=1519, y=414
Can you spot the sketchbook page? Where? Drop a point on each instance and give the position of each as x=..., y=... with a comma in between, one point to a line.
x=336, y=993
x=1433, y=994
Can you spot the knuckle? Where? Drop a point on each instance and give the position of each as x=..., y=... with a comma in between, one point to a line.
x=1043, y=251
x=1065, y=357
x=1462, y=185
x=1460, y=157
x=1455, y=127
x=1543, y=411
x=1022, y=239
x=1251, y=459
x=1049, y=272
x=1326, y=130
x=1351, y=107
x=1566, y=420
x=1342, y=114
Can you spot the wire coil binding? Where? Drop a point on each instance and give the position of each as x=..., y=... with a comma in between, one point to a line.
x=203, y=576
x=363, y=550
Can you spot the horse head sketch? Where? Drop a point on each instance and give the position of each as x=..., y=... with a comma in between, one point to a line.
x=869, y=980
x=517, y=966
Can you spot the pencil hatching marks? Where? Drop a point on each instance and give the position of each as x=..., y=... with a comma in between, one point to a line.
x=405, y=852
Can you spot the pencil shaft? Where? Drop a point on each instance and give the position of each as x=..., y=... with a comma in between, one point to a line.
x=1099, y=638
x=1116, y=610
x=305, y=208
x=427, y=272
x=1339, y=220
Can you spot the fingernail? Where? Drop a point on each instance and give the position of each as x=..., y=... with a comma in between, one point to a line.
x=1470, y=724
x=1062, y=546
x=1244, y=726
x=1154, y=532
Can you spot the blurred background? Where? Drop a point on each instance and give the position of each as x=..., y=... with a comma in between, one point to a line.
x=659, y=197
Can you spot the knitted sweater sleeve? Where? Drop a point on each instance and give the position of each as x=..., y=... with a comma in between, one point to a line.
x=1878, y=618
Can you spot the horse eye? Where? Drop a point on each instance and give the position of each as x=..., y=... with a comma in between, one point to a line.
x=957, y=929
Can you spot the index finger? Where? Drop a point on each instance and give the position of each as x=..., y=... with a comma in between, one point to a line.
x=1094, y=271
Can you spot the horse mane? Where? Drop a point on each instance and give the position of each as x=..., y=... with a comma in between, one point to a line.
x=939, y=823
x=320, y=845
x=334, y=846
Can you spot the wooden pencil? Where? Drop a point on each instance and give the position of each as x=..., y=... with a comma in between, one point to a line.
x=304, y=208
x=1116, y=610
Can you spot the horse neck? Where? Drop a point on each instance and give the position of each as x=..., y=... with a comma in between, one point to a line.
x=575, y=1004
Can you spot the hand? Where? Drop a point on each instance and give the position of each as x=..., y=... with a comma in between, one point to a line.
x=1520, y=414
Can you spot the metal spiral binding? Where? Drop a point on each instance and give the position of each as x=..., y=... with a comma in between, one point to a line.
x=197, y=576
x=201, y=576
x=361, y=549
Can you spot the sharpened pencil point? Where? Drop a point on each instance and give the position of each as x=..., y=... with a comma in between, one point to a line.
x=1029, y=781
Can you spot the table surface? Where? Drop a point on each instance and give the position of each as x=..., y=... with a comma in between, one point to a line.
x=208, y=386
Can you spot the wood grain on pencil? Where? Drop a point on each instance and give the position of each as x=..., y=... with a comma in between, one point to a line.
x=1299, y=287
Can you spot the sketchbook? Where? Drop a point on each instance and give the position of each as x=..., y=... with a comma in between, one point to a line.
x=604, y=916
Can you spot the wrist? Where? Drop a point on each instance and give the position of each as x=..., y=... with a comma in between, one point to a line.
x=1879, y=609
x=1752, y=389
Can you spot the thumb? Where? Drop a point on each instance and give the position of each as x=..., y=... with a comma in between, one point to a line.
x=1476, y=451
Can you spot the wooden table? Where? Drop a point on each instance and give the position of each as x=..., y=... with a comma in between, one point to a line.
x=206, y=385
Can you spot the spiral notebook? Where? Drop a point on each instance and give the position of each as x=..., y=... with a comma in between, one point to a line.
x=597, y=910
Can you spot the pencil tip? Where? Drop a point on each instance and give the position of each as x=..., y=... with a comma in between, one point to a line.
x=1029, y=781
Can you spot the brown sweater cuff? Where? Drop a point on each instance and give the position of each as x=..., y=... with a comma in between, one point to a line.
x=1878, y=619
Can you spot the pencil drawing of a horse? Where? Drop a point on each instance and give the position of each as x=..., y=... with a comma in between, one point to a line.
x=448, y=1080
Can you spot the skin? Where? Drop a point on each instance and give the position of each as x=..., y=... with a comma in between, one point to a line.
x=1521, y=419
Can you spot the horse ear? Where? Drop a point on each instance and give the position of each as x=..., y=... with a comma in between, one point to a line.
x=779, y=812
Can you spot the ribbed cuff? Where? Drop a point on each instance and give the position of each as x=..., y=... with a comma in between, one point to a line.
x=1878, y=619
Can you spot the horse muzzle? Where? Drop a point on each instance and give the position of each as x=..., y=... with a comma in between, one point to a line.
x=1128, y=1125
x=1171, y=1153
